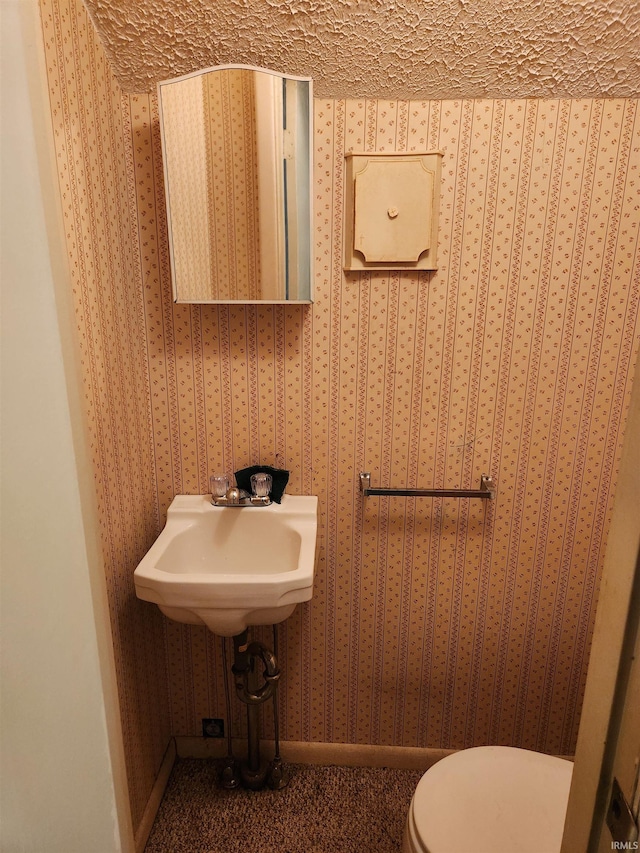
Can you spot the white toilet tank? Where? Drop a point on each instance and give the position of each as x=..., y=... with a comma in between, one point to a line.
x=490, y=799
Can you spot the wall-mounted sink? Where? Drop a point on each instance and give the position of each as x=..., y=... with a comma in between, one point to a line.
x=229, y=568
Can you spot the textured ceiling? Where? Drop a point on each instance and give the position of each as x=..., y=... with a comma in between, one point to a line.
x=385, y=48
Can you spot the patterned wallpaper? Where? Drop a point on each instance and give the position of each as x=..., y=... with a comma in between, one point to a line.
x=185, y=159
x=434, y=623
x=232, y=183
x=211, y=148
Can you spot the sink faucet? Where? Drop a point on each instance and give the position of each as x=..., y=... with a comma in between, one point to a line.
x=239, y=498
x=223, y=495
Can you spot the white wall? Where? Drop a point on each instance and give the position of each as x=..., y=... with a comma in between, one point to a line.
x=62, y=778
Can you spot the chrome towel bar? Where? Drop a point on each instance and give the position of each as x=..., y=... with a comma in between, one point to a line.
x=486, y=491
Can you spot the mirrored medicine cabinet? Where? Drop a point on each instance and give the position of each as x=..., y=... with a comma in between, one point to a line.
x=236, y=147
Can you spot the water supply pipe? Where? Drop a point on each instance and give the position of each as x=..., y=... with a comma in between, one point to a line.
x=252, y=692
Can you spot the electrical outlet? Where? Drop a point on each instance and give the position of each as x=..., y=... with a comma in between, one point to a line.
x=212, y=727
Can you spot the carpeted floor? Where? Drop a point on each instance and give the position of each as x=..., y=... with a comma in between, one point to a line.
x=323, y=810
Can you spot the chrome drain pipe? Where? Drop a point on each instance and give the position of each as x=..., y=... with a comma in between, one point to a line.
x=278, y=776
x=230, y=774
x=253, y=693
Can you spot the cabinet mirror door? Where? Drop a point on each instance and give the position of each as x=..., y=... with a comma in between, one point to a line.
x=236, y=146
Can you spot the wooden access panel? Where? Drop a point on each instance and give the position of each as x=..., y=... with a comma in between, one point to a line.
x=392, y=211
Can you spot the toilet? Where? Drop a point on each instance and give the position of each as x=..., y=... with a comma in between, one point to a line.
x=490, y=799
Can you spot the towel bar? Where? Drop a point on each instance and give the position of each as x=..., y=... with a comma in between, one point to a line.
x=486, y=491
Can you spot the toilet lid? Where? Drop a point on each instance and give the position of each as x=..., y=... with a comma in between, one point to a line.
x=492, y=799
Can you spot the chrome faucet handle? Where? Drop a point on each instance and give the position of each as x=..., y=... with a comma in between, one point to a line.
x=218, y=484
x=261, y=484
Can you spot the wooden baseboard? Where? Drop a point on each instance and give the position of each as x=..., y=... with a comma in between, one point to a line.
x=300, y=752
x=157, y=792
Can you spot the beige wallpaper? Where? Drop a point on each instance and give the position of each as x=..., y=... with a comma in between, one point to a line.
x=434, y=623
x=185, y=160
x=232, y=184
x=210, y=143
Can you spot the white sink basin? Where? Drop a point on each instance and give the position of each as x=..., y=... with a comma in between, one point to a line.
x=228, y=567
